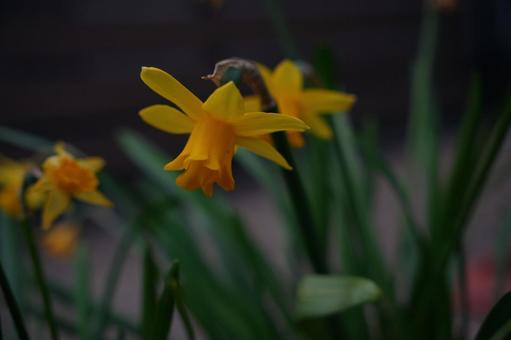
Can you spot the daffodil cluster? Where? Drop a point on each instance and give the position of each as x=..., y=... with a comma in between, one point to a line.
x=216, y=127
x=226, y=120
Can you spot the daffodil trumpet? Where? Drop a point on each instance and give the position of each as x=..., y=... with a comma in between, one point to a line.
x=216, y=128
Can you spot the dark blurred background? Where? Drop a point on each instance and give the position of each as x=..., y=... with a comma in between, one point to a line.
x=70, y=68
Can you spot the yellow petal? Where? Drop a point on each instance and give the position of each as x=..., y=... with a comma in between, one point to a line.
x=318, y=126
x=326, y=101
x=168, y=87
x=225, y=102
x=56, y=203
x=252, y=103
x=267, y=77
x=289, y=106
x=42, y=186
x=287, y=79
x=259, y=123
x=94, y=197
x=94, y=164
x=295, y=139
x=166, y=118
x=60, y=149
x=263, y=149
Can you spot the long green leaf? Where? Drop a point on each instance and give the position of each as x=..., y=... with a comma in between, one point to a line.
x=12, y=306
x=162, y=321
x=321, y=295
x=149, y=287
x=496, y=325
x=82, y=294
x=24, y=140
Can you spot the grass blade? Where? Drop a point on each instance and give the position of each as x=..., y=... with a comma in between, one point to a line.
x=496, y=325
x=12, y=306
x=149, y=295
x=82, y=293
x=164, y=310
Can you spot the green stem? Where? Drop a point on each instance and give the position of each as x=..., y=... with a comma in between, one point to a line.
x=463, y=284
x=40, y=279
x=13, y=306
x=301, y=206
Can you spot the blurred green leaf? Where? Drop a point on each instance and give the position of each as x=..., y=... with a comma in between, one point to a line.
x=12, y=306
x=249, y=270
x=321, y=295
x=423, y=130
x=119, y=259
x=24, y=140
x=149, y=290
x=10, y=252
x=82, y=294
x=164, y=309
x=497, y=324
x=230, y=311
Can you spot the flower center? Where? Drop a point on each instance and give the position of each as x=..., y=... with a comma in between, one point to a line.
x=71, y=177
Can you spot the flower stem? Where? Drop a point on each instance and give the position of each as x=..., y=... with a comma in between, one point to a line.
x=13, y=306
x=40, y=279
x=301, y=206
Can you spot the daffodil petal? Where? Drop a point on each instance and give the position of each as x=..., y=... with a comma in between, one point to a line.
x=252, y=103
x=326, y=101
x=60, y=149
x=56, y=203
x=265, y=73
x=318, y=126
x=42, y=186
x=94, y=197
x=287, y=79
x=170, y=88
x=167, y=119
x=225, y=102
x=254, y=124
x=94, y=164
x=263, y=149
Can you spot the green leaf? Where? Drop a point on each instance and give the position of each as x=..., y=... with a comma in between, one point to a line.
x=497, y=324
x=164, y=310
x=12, y=306
x=82, y=294
x=149, y=288
x=320, y=295
x=24, y=140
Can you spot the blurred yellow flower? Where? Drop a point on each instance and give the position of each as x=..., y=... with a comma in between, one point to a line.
x=61, y=240
x=285, y=84
x=216, y=127
x=11, y=180
x=65, y=177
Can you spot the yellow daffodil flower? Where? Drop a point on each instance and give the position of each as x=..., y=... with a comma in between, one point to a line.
x=12, y=175
x=61, y=240
x=11, y=180
x=285, y=84
x=66, y=177
x=216, y=127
